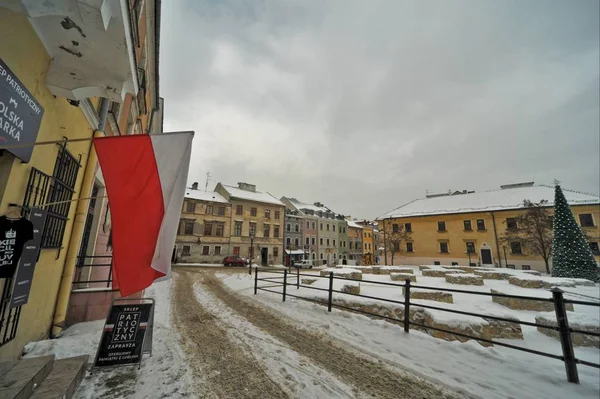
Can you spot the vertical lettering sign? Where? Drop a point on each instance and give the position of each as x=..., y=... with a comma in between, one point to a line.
x=29, y=256
x=123, y=334
x=20, y=114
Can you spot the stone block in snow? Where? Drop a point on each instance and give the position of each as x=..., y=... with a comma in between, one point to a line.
x=526, y=281
x=525, y=304
x=441, y=272
x=403, y=277
x=576, y=321
x=464, y=279
x=343, y=273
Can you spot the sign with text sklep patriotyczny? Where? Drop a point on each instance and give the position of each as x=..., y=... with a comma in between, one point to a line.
x=20, y=114
x=125, y=332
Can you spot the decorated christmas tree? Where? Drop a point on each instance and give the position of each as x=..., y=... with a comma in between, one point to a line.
x=571, y=254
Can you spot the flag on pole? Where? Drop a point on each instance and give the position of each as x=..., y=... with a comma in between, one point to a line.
x=145, y=178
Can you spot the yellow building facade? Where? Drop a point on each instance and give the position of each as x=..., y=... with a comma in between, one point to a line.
x=462, y=237
x=60, y=69
x=257, y=223
x=368, y=244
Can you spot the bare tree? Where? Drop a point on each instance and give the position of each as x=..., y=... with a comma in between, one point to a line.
x=394, y=238
x=533, y=230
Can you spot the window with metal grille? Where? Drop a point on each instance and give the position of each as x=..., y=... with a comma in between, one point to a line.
x=56, y=191
x=186, y=251
x=217, y=250
x=205, y=250
x=9, y=318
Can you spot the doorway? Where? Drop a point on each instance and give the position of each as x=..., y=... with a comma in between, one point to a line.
x=264, y=256
x=486, y=256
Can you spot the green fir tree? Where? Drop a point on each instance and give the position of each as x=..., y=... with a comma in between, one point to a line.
x=571, y=254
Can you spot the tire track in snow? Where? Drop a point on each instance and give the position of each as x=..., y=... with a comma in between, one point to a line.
x=371, y=377
x=293, y=372
x=221, y=368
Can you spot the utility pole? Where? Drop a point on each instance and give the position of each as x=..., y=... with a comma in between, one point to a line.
x=207, y=180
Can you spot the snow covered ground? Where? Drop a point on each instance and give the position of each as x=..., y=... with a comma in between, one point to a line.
x=163, y=375
x=494, y=372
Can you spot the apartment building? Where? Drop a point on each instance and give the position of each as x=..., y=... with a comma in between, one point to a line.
x=204, y=228
x=63, y=89
x=343, y=250
x=294, y=247
x=257, y=223
x=368, y=236
x=467, y=227
x=310, y=236
x=327, y=226
x=355, y=241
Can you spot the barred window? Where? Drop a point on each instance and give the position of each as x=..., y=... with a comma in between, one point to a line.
x=57, y=191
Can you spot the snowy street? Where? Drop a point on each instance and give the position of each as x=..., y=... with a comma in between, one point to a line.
x=214, y=338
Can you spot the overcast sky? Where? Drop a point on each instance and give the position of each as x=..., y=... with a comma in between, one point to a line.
x=365, y=105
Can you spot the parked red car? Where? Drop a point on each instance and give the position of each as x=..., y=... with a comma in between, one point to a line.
x=234, y=261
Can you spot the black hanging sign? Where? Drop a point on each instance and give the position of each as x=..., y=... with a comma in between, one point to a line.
x=29, y=257
x=20, y=114
x=126, y=330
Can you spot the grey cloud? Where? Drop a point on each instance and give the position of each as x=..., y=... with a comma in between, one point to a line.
x=365, y=105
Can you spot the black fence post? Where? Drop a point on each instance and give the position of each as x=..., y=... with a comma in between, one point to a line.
x=406, y=305
x=297, y=278
x=284, y=283
x=255, y=280
x=330, y=300
x=565, y=335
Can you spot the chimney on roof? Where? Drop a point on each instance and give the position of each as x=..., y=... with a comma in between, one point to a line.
x=195, y=185
x=247, y=186
x=517, y=185
x=318, y=204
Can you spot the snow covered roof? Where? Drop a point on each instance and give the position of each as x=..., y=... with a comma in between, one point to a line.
x=303, y=205
x=257, y=196
x=210, y=196
x=510, y=198
x=352, y=223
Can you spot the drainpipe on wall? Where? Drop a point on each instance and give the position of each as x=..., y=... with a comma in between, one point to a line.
x=496, y=239
x=64, y=290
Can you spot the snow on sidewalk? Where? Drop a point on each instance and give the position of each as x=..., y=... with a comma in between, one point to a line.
x=494, y=372
x=164, y=374
x=294, y=373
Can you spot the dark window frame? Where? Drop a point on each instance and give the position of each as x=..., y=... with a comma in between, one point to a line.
x=467, y=225
x=481, y=227
x=444, y=247
x=589, y=220
x=516, y=248
x=442, y=227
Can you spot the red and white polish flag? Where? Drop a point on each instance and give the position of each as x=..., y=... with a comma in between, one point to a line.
x=145, y=178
